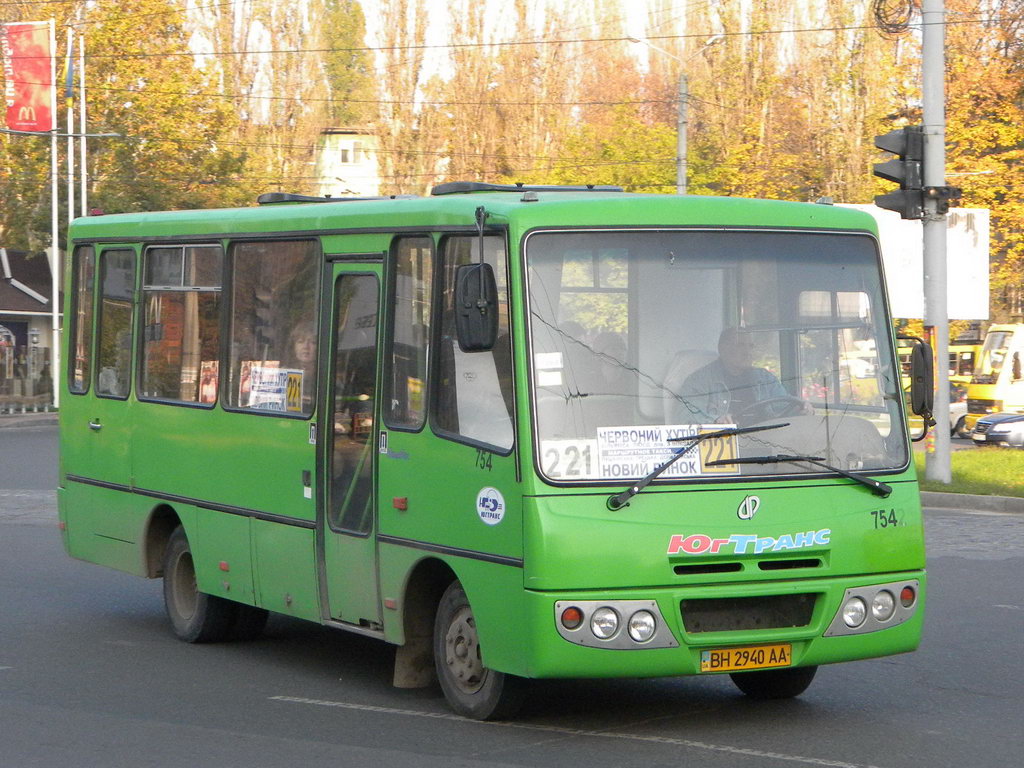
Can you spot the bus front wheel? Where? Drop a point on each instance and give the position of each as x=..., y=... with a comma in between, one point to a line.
x=195, y=616
x=471, y=689
x=774, y=683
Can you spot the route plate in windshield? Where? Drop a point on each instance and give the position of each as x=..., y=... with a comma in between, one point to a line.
x=628, y=452
x=746, y=657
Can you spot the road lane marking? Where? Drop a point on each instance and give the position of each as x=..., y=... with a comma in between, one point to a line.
x=760, y=753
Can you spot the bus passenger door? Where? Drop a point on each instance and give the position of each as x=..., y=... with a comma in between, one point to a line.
x=96, y=423
x=346, y=520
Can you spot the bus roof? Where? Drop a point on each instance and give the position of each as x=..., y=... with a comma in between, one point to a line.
x=523, y=209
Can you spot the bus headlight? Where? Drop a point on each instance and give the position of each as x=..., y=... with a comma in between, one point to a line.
x=642, y=626
x=645, y=626
x=883, y=605
x=854, y=612
x=875, y=607
x=604, y=623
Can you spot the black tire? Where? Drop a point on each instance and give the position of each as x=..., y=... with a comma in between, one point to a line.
x=774, y=683
x=195, y=616
x=960, y=430
x=249, y=622
x=472, y=690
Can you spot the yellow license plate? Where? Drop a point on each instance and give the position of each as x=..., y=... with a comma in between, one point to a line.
x=747, y=657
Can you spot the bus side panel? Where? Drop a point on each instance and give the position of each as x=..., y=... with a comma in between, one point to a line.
x=495, y=593
x=286, y=575
x=445, y=483
x=244, y=460
x=103, y=526
x=222, y=555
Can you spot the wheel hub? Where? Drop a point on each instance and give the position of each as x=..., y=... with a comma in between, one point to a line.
x=462, y=652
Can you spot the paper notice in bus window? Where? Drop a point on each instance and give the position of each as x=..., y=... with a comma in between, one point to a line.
x=549, y=378
x=549, y=369
x=635, y=451
x=548, y=361
x=275, y=389
x=208, y=381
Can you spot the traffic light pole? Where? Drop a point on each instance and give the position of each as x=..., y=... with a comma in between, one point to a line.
x=936, y=319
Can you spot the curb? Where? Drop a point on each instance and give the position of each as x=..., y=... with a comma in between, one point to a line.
x=967, y=501
x=16, y=421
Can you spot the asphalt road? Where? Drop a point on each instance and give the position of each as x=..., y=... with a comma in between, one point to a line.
x=28, y=457
x=90, y=675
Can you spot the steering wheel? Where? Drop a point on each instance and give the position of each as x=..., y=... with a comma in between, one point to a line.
x=765, y=409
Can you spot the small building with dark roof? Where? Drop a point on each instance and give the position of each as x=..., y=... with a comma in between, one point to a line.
x=26, y=337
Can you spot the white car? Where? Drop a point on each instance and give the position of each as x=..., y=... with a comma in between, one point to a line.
x=957, y=414
x=958, y=411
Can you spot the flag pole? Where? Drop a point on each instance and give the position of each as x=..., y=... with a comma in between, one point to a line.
x=84, y=208
x=55, y=260
x=69, y=78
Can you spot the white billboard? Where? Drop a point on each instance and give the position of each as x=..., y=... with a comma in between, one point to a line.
x=966, y=262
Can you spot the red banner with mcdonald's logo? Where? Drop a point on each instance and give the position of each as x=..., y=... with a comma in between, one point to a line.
x=29, y=94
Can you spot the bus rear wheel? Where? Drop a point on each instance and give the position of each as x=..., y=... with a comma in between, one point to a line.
x=195, y=616
x=472, y=690
x=774, y=683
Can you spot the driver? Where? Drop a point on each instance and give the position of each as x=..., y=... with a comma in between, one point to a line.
x=728, y=390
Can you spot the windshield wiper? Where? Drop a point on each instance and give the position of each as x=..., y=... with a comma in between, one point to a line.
x=876, y=487
x=619, y=500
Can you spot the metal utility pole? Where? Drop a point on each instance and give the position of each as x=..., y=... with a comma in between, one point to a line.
x=682, y=114
x=682, y=120
x=936, y=319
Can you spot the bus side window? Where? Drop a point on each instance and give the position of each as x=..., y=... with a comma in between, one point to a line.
x=474, y=393
x=411, y=292
x=82, y=276
x=117, y=289
x=181, y=339
x=272, y=358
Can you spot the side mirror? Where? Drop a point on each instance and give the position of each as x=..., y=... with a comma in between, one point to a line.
x=922, y=381
x=476, y=307
x=1016, y=366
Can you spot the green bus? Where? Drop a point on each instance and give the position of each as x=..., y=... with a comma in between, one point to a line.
x=517, y=432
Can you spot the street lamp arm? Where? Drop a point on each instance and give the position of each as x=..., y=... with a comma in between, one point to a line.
x=682, y=171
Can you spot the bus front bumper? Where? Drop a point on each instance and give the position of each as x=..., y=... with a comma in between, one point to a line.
x=803, y=621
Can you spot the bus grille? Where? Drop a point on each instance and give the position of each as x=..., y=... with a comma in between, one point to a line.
x=731, y=614
x=976, y=405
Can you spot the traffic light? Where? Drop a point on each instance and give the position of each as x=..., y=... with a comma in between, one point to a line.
x=906, y=170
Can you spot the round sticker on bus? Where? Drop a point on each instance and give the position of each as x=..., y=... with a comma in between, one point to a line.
x=490, y=505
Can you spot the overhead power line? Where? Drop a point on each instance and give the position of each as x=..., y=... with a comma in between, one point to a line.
x=987, y=19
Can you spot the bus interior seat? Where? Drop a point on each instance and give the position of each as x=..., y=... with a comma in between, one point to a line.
x=683, y=365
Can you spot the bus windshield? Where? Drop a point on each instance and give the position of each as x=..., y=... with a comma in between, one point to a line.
x=990, y=362
x=640, y=338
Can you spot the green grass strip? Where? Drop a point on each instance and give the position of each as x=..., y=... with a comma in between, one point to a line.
x=988, y=471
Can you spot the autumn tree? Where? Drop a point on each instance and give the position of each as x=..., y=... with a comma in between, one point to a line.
x=409, y=160
x=509, y=100
x=985, y=134
x=347, y=66
x=174, y=150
